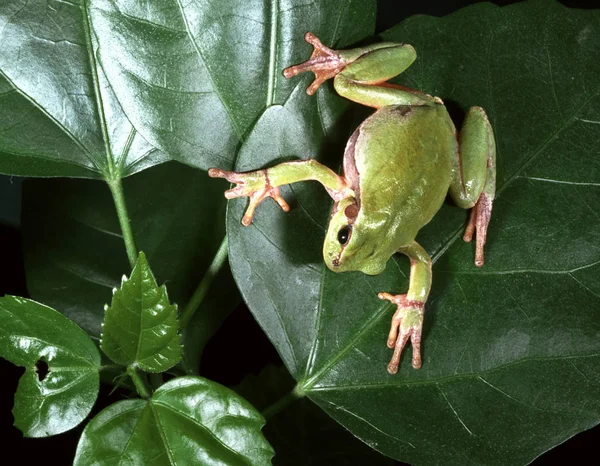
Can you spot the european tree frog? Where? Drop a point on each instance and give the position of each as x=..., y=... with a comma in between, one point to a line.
x=398, y=167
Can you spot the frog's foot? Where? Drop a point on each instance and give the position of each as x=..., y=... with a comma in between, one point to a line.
x=255, y=185
x=324, y=62
x=407, y=323
x=478, y=223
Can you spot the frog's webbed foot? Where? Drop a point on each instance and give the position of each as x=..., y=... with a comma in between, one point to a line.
x=255, y=185
x=324, y=62
x=407, y=323
x=478, y=223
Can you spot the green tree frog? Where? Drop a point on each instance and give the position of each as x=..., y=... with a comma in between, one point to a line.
x=398, y=166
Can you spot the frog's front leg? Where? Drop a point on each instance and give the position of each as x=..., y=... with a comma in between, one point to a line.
x=407, y=322
x=473, y=183
x=260, y=184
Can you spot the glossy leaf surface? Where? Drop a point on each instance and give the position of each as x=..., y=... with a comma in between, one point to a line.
x=188, y=420
x=61, y=382
x=140, y=326
x=62, y=218
x=510, y=351
x=59, y=115
x=194, y=76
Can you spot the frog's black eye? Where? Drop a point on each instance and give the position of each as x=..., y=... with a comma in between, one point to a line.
x=344, y=235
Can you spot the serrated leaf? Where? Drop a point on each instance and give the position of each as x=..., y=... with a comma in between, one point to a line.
x=194, y=76
x=60, y=116
x=188, y=420
x=510, y=350
x=61, y=218
x=140, y=326
x=33, y=335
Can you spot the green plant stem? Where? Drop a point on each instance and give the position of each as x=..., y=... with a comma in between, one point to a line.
x=116, y=189
x=204, y=285
x=138, y=381
x=282, y=403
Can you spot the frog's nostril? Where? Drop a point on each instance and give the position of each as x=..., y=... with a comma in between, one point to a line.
x=336, y=262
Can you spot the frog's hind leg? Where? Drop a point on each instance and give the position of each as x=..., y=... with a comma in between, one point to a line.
x=473, y=183
x=361, y=73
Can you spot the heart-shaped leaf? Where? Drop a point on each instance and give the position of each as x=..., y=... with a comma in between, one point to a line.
x=510, y=351
x=62, y=218
x=59, y=115
x=188, y=420
x=61, y=382
x=194, y=77
x=140, y=326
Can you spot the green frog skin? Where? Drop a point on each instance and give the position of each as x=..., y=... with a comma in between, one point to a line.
x=398, y=167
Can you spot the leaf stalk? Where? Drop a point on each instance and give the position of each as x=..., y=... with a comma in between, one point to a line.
x=116, y=189
x=204, y=285
x=283, y=403
x=138, y=381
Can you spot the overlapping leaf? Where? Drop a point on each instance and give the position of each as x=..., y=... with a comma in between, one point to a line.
x=194, y=76
x=59, y=115
x=511, y=361
x=140, y=326
x=37, y=337
x=187, y=420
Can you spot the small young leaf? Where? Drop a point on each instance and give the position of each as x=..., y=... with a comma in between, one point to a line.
x=61, y=382
x=140, y=326
x=188, y=420
x=77, y=280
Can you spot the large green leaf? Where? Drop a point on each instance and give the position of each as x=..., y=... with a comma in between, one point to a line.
x=188, y=420
x=61, y=382
x=140, y=326
x=194, y=76
x=178, y=230
x=59, y=115
x=511, y=363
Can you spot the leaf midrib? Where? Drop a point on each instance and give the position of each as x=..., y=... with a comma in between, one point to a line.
x=452, y=378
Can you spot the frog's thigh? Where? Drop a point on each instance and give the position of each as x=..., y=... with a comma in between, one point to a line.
x=363, y=80
x=380, y=64
x=474, y=166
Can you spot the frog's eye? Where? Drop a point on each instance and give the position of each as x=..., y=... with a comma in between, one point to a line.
x=344, y=235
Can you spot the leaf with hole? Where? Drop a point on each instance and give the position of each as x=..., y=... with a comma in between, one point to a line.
x=511, y=363
x=140, y=326
x=188, y=420
x=60, y=116
x=61, y=381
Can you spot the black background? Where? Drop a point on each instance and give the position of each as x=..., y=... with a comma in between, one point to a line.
x=240, y=326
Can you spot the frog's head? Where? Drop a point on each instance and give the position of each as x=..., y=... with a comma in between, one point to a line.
x=349, y=245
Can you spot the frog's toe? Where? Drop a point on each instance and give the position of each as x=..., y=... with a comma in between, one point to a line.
x=324, y=62
x=400, y=344
x=478, y=225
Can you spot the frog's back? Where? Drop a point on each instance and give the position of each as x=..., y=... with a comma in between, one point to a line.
x=402, y=156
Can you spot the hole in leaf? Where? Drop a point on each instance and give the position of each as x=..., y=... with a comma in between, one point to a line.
x=41, y=369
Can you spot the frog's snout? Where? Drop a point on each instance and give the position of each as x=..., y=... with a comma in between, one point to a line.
x=332, y=260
